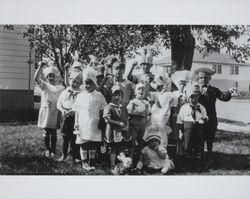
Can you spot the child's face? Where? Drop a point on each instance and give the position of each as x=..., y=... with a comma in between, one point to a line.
x=74, y=84
x=51, y=78
x=89, y=85
x=117, y=97
x=204, y=79
x=99, y=79
x=118, y=71
x=153, y=143
x=193, y=99
x=140, y=92
x=181, y=85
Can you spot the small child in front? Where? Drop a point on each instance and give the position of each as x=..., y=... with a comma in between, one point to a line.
x=191, y=120
x=64, y=105
x=154, y=156
x=116, y=116
x=88, y=107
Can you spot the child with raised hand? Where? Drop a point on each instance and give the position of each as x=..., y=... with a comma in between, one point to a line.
x=154, y=156
x=88, y=107
x=49, y=116
x=127, y=87
x=116, y=116
x=139, y=110
x=64, y=104
x=191, y=120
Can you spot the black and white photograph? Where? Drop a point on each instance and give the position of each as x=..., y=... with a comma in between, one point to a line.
x=125, y=99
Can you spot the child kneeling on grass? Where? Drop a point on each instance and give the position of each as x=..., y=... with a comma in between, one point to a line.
x=64, y=104
x=117, y=135
x=88, y=107
x=154, y=156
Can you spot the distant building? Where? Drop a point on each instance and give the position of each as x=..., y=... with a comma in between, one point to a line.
x=228, y=72
x=16, y=73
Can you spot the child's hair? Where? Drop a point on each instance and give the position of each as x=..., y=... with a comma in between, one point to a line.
x=120, y=64
x=116, y=92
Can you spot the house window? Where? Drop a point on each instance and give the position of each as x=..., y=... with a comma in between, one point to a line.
x=236, y=70
x=214, y=68
x=231, y=70
x=219, y=69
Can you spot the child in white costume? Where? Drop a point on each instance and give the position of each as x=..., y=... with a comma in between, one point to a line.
x=159, y=117
x=49, y=117
x=154, y=155
x=88, y=107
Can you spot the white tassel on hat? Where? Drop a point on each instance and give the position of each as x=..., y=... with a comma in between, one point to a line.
x=77, y=64
x=146, y=57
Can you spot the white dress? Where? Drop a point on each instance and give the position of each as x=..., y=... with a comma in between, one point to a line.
x=49, y=116
x=88, y=106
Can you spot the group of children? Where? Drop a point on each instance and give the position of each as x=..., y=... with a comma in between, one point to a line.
x=105, y=114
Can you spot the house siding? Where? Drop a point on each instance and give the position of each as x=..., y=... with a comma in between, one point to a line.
x=16, y=78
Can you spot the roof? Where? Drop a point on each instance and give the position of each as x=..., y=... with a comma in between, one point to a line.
x=218, y=58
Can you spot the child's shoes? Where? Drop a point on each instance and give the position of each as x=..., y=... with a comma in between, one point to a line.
x=86, y=167
x=47, y=153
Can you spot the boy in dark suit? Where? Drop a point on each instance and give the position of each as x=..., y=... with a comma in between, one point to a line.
x=207, y=98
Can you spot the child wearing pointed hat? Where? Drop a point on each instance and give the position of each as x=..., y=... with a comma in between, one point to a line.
x=127, y=87
x=88, y=107
x=146, y=64
x=154, y=156
x=117, y=135
x=64, y=105
x=49, y=116
x=191, y=120
x=208, y=96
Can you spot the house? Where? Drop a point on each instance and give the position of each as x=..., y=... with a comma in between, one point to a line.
x=16, y=70
x=228, y=72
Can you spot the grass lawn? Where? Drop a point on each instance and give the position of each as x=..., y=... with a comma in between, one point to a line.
x=22, y=153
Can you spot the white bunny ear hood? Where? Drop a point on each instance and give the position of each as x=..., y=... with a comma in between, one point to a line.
x=50, y=68
x=89, y=73
x=146, y=56
x=77, y=64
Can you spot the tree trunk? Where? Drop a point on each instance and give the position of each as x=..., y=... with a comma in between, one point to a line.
x=182, y=47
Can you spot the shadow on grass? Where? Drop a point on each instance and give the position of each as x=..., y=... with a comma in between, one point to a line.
x=32, y=165
x=230, y=161
x=222, y=136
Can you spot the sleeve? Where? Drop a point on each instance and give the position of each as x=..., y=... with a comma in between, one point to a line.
x=180, y=117
x=223, y=96
x=129, y=106
x=77, y=104
x=163, y=150
x=106, y=112
x=203, y=112
x=132, y=93
x=59, y=102
x=42, y=85
x=103, y=102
